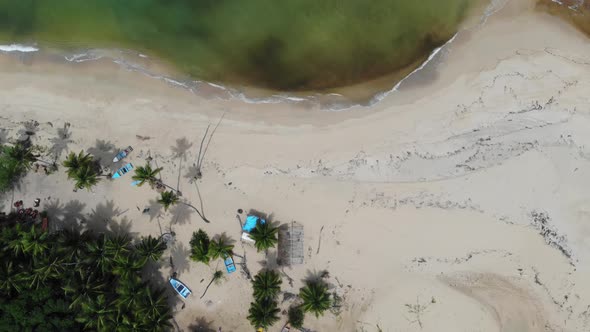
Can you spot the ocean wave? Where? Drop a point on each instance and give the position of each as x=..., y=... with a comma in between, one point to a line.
x=18, y=48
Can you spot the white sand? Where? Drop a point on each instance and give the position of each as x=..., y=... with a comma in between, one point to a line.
x=432, y=199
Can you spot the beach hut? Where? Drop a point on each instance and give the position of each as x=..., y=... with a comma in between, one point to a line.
x=290, y=246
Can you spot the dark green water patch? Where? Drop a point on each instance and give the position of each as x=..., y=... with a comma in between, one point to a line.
x=278, y=44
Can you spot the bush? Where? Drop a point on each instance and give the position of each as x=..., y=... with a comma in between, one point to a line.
x=296, y=317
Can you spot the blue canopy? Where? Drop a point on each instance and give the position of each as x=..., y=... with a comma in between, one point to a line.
x=251, y=222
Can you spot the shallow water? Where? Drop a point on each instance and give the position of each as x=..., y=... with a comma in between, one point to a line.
x=282, y=45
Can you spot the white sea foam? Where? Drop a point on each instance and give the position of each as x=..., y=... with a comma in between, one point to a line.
x=378, y=97
x=18, y=48
x=82, y=57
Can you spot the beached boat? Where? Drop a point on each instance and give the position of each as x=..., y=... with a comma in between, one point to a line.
x=123, y=170
x=180, y=288
x=122, y=154
x=229, y=264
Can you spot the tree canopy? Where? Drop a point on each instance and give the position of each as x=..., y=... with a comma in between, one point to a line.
x=77, y=281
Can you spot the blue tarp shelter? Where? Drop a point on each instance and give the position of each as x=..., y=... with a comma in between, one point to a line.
x=251, y=222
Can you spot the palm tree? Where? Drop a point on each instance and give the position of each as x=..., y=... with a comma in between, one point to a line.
x=85, y=177
x=296, y=316
x=97, y=255
x=117, y=247
x=145, y=174
x=131, y=291
x=126, y=267
x=167, y=199
x=35, y=241
x=220, y=248
x=316, y=298
x=72, y=244
x=22, y=152
x=47, y=270
x=150, y=248
x=154, y=304
x=84, y=287
x=217, y=277
x=263, y=314
x=96, y=314
x=74, y=162
x=200, y=247
x=264, y=236
x=11, y=278
x=266, y=285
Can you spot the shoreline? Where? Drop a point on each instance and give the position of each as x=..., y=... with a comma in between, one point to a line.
x=454, y=195
x=365, y=94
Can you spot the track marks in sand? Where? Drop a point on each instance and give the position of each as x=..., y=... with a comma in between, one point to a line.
x=515, y=309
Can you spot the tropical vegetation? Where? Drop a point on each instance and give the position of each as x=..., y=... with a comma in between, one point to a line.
x=204, y=249
x=220, y=247
x=296, y=316
x=78, y=281
x=15, y=161
x=315, y=296
x=200, y=247
x=264, y=236
x=264, y=311
x=167, y=199
x=266, y=285
x=147, y=174
x=81, y=168
x=263, y=314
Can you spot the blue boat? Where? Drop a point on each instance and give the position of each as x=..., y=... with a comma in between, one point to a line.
x=229, y=264
x=123, y=170
x=180, y=288
x=122, y=154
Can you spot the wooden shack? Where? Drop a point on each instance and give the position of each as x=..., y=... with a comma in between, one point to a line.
x=290, y=246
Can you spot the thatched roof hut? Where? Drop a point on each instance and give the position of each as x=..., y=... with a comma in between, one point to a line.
x=290, y=246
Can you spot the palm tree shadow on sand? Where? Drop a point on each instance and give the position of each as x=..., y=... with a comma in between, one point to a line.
x=108, y=218
x=179, y=258
x=179, y=151
x=66, y=215
x=181, y=214
x=202, y=325
x=103, y=152
x=59, y=143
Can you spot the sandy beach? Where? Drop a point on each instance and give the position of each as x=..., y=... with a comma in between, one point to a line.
x=458, y=203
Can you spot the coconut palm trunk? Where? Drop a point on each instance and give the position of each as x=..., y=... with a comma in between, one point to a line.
x=216, y=276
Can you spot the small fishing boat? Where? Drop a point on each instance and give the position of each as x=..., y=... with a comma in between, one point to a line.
x=229, y=264
x=123, y=170
x=180, y=288
x=122, y=154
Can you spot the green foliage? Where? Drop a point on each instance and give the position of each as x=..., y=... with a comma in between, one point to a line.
x=264, y=310
x=86, y=178
x=296, y=317
x=316, y=298
x=200, y=247
x=287, y=44
x=150, y=248
x=264, y=236
x=266, y=285
x=81, y=169
x=263, y=314
x=167, y=199
x=74, y=162
x=145, y=174
x=69, y=281
x=15, y=161
x=220, y=248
